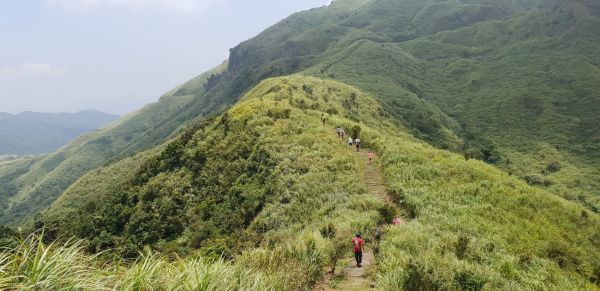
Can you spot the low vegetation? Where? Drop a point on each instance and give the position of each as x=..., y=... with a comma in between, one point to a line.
x=29, y=186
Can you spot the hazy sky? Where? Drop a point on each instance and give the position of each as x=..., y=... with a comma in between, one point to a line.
x=117, y=55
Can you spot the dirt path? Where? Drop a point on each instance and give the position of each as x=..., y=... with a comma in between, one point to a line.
x=374, y=181
x=355, y=278
x=352, y=277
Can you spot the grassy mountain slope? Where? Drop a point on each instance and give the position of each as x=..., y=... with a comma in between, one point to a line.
x=32, y=185
x=288, y=195
x=528, y=85
x=511, y=86
x=35, y=133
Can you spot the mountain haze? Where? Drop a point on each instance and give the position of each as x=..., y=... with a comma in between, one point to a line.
x=37, y=133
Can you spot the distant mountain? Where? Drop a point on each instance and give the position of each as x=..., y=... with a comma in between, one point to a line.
x=37, y=133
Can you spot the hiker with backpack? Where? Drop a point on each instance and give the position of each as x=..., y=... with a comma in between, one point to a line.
x=338, y=130
x=350, y=141
x=358, y=244
x=343, y=133
x=357, y=143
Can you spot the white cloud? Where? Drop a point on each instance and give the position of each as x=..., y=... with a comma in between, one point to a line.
x=179, y=6
x=32, y=69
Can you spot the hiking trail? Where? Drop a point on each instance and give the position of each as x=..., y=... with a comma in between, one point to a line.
x=352, y=277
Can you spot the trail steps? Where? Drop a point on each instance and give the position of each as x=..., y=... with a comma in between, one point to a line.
x=355, y=278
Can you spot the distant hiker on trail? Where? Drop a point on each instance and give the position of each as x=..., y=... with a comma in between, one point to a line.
x=397, y=221
x=338, y=130
x=370, y=155
x=358, y=245
x=357, y=143
x=343, y=133
x=350, y=141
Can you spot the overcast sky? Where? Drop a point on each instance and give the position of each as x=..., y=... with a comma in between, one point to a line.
x=118, y=55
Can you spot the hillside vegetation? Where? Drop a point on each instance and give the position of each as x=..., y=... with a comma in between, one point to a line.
x=289, y=195
x=515, y=90
x=526, y=88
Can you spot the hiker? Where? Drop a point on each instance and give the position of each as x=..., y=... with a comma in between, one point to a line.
x=357, y=143
x=343, y=133
x=370, y=155
x=338, y=130
x=397, y=221
x=358, y=244
x=350, y=141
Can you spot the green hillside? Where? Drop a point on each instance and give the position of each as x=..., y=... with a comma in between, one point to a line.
x=531, y=91
x=508, y=82
x=269, y=186
x=516, y=91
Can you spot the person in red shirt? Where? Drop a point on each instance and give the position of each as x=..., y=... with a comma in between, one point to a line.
x=358, y=244
x=397, y=221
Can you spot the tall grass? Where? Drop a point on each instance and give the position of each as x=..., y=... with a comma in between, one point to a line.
x=34, y=265
x=154, y=272
x=6, y=278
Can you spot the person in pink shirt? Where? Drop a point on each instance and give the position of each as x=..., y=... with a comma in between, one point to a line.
x=370, y=155
x=359, y=246
x=397, y=221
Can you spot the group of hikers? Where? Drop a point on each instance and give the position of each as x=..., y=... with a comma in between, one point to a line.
x=358, y=242
x=351, y=142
